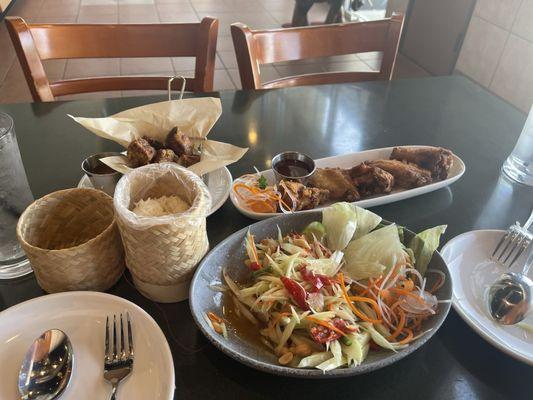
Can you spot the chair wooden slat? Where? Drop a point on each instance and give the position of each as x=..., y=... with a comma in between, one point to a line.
x=36, y=42
x=257, y=47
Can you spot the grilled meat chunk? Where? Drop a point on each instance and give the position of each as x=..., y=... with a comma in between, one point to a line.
x=337, y=181
x=370, y=180
x=405, y=175
x=178, y=142
x=437, y=160
x=301, y=197
x=164, y=155
x=140, y=153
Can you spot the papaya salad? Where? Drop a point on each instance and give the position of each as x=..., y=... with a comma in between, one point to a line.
x=327, y=296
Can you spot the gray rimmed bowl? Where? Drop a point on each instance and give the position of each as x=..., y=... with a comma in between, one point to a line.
x=230, y=253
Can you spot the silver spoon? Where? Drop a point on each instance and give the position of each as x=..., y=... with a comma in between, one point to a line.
x=47, y=367
x=510, y=296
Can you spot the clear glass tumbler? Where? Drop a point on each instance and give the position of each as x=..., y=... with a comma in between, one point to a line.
x=15, y=196
x=519, y=165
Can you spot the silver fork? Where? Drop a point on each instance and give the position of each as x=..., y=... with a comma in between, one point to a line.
x=513, y=243
x=118, y=362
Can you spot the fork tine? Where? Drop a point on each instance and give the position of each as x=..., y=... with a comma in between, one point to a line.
x=520, y=251
x=122, y=345
x=106, y=338
x=511, y=246
x=500, y=243
x=115, y=354
x=510, y=240
x=517, y=242
x=130, y=335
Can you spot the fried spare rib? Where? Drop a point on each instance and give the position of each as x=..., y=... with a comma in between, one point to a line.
x=435, y=159
x=405, y=175
x=370, y=180
x=337, y=181
x=302, y=197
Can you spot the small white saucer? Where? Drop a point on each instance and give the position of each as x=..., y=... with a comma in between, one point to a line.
x=472, y=271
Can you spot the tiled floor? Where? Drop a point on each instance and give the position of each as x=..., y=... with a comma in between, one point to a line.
x=255, y=13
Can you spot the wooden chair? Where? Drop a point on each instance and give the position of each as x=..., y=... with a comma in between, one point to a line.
x=36, y=42
x=255, y=48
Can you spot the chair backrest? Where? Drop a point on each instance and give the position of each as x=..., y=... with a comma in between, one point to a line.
x=36, y=42
x=255, y=48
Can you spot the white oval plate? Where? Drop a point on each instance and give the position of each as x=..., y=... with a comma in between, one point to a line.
x=81, y=315
x=218, y=183
x=472, y=272
x=351, y=160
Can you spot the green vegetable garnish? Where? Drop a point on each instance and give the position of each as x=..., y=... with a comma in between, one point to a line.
x=262, y=182
x=262, y=271
x=346, y=341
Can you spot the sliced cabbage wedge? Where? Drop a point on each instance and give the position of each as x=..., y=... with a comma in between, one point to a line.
x=382, y=246
x=358, y=270
x=366, y=221
x=424, y=245
x=340, y=222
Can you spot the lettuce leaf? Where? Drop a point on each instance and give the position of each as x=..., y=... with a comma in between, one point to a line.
x=424, y=245
x=381, y=246
x=359, y=270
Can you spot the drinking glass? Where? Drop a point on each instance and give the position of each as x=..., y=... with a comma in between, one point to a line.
x=519, y=165
x=15, y=196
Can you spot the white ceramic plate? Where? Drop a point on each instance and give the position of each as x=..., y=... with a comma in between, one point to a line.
x=351, y=160
x=218, y=182
x=81, y=315
x=472, y=272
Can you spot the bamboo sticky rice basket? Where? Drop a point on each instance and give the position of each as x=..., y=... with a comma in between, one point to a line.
x=72, y=240
x=162, y=252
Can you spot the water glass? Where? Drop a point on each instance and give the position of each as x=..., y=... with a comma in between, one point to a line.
x=15, y=196
x=519, y=165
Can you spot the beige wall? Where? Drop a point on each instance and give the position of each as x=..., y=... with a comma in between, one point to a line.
x=498, y=49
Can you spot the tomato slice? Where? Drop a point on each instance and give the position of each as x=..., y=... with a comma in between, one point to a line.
x=323, y=335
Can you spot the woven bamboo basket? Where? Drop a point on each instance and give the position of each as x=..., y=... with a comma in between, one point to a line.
x=72, y=241
x=162, y=252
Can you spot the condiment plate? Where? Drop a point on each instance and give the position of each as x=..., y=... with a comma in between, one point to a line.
x=467, y=256
x=218, y=183
x=82, y=316
x=352, y=159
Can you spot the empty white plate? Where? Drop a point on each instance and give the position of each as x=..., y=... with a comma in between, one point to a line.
x=472, y=272
x=81, y=315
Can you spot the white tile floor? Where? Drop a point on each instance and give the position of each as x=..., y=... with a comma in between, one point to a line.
x=255, y=13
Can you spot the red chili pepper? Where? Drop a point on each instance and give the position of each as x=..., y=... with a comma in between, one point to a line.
x=323, y=335
x=255, y=266
x=317, y=281
x=341, y=324
x=297, y=292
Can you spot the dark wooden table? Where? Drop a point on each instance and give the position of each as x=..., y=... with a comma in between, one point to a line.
x=323, y=121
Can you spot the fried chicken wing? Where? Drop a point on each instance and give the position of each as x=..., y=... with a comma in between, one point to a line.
x=303, y=198
x=405, y=175
x=370, y=180
x=437, y=160
x=337, y=181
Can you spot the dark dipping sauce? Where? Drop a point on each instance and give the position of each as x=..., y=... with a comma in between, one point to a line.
x=292, y=168
x=102, y=169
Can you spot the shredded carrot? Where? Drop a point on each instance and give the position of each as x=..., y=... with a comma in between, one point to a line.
x=408, y=338
x=326, y=324
x=352, y=307
x=400, y=326
x=407, y=284
x=410, y=294
x=215, y=318
x=371, y=302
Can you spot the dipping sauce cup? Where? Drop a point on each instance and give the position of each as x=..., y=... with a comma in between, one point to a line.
x=293, y=166
x=102, y=177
